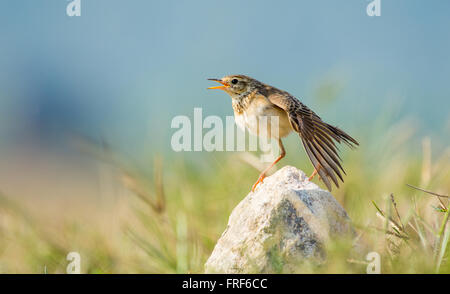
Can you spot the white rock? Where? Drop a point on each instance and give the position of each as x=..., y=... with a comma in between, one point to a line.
x=284, y=222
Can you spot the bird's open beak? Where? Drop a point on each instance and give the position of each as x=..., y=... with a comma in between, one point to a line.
x=225, y=85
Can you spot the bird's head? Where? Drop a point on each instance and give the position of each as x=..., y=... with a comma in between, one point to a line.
x=235, y=84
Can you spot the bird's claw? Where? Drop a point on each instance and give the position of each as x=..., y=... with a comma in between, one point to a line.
x=260, y=180
x=313, y=174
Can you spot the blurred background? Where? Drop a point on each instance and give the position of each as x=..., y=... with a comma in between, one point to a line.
x=120, y=72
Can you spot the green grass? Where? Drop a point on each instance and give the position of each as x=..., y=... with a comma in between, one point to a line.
x=169, y=219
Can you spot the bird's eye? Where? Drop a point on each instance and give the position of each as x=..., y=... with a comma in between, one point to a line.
x=234, y=81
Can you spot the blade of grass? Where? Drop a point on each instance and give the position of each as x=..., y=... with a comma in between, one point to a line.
x=444, y=242
x=443, y=248
x=439, y=196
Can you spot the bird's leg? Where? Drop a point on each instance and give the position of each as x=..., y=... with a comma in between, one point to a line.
x=314, y=173
x=263, y=174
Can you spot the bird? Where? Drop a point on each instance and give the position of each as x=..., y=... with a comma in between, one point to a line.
x=252, y=100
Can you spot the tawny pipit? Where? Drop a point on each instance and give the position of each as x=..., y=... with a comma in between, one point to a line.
x=252, y=100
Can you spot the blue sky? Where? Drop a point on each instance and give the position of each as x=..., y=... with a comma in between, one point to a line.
x=123, y=69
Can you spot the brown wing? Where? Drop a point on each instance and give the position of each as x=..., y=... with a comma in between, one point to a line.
x=318, y=137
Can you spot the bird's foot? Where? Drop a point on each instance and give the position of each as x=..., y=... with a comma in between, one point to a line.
x=260, y=180
x=313, y=175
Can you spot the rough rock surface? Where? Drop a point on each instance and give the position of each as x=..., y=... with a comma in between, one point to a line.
x=283, y=223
